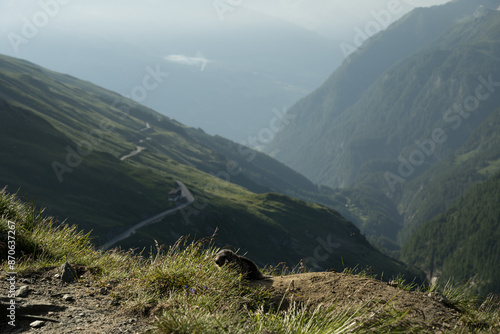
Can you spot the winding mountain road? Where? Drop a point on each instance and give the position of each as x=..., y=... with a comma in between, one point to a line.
x=155, y=219
x=138, y=149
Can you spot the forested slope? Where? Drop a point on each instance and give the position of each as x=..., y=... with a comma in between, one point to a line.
x=463, y=242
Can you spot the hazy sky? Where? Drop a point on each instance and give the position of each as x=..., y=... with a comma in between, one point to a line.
x=192, y=14
x=305, y=10
x=201, y=44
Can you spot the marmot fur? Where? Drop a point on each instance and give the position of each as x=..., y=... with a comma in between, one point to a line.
x=245, y=266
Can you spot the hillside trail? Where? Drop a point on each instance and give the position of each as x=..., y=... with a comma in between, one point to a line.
x=88, y=306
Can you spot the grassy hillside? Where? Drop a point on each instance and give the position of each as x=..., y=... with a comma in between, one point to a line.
x=179, y=289
x=268, y=174
x=62, y=141
x=463, y=242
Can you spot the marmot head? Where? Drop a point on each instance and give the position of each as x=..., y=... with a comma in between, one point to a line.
x=224, y=256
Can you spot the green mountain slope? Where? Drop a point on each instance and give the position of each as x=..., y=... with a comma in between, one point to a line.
x=386, y=133
x=63, y=143
x=318, y=142
x=463, y=242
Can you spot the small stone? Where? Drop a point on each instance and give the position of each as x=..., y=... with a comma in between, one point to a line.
x=68, y=274
x=37, y=324
x=68, y=298
x=439, y=297
x=26, y=281
x=57, y=276
x=23, y=291
x=393, y=283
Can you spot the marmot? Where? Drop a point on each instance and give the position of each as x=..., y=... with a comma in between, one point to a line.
x=246, y=266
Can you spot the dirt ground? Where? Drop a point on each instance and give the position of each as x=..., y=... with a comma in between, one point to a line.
x=85, y=307
x=80, y=307
x=430, y=311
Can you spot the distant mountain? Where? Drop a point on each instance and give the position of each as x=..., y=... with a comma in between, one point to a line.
x=463, y=242
x=383, y=124
x=73, y=147
x=321, y=117
x=226, y=79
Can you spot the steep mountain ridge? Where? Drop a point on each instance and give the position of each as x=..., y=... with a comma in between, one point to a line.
x=330, y=105
x=437, y=82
